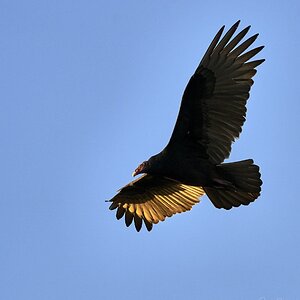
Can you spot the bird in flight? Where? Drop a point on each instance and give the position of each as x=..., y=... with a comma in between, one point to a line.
x=211, y=115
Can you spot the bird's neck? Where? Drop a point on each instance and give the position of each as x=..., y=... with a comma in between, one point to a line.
x=157, y=164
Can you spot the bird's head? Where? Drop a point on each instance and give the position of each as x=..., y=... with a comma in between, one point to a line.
x=142, y=168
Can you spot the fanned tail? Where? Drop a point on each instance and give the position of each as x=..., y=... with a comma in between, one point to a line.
x=245, y=187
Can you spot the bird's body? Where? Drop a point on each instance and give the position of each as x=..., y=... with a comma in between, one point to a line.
x=180, y=165
x=211, y=116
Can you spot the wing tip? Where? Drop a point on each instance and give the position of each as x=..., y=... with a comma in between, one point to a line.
x=236, y=24
x=113, y=206
x=254, y=37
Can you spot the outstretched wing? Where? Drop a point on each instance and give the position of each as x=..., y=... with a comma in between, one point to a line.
x=213, y=106
x=152, y=198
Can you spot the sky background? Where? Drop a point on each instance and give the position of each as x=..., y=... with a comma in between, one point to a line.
x=88, y=90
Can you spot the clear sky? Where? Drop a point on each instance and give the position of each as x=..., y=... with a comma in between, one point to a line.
x=88, y=90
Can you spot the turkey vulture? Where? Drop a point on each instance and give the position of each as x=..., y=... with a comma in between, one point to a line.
x=211, y=116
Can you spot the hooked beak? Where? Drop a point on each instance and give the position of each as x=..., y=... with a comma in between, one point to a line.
x=138, y=170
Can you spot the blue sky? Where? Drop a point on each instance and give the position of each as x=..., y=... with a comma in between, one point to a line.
x=89, y=89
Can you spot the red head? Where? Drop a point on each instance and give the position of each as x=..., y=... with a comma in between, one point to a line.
x=142, y=168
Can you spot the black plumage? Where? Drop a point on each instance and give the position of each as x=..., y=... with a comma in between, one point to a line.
x=211, y=115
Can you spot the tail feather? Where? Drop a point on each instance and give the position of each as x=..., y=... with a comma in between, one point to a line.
x=245, y=178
